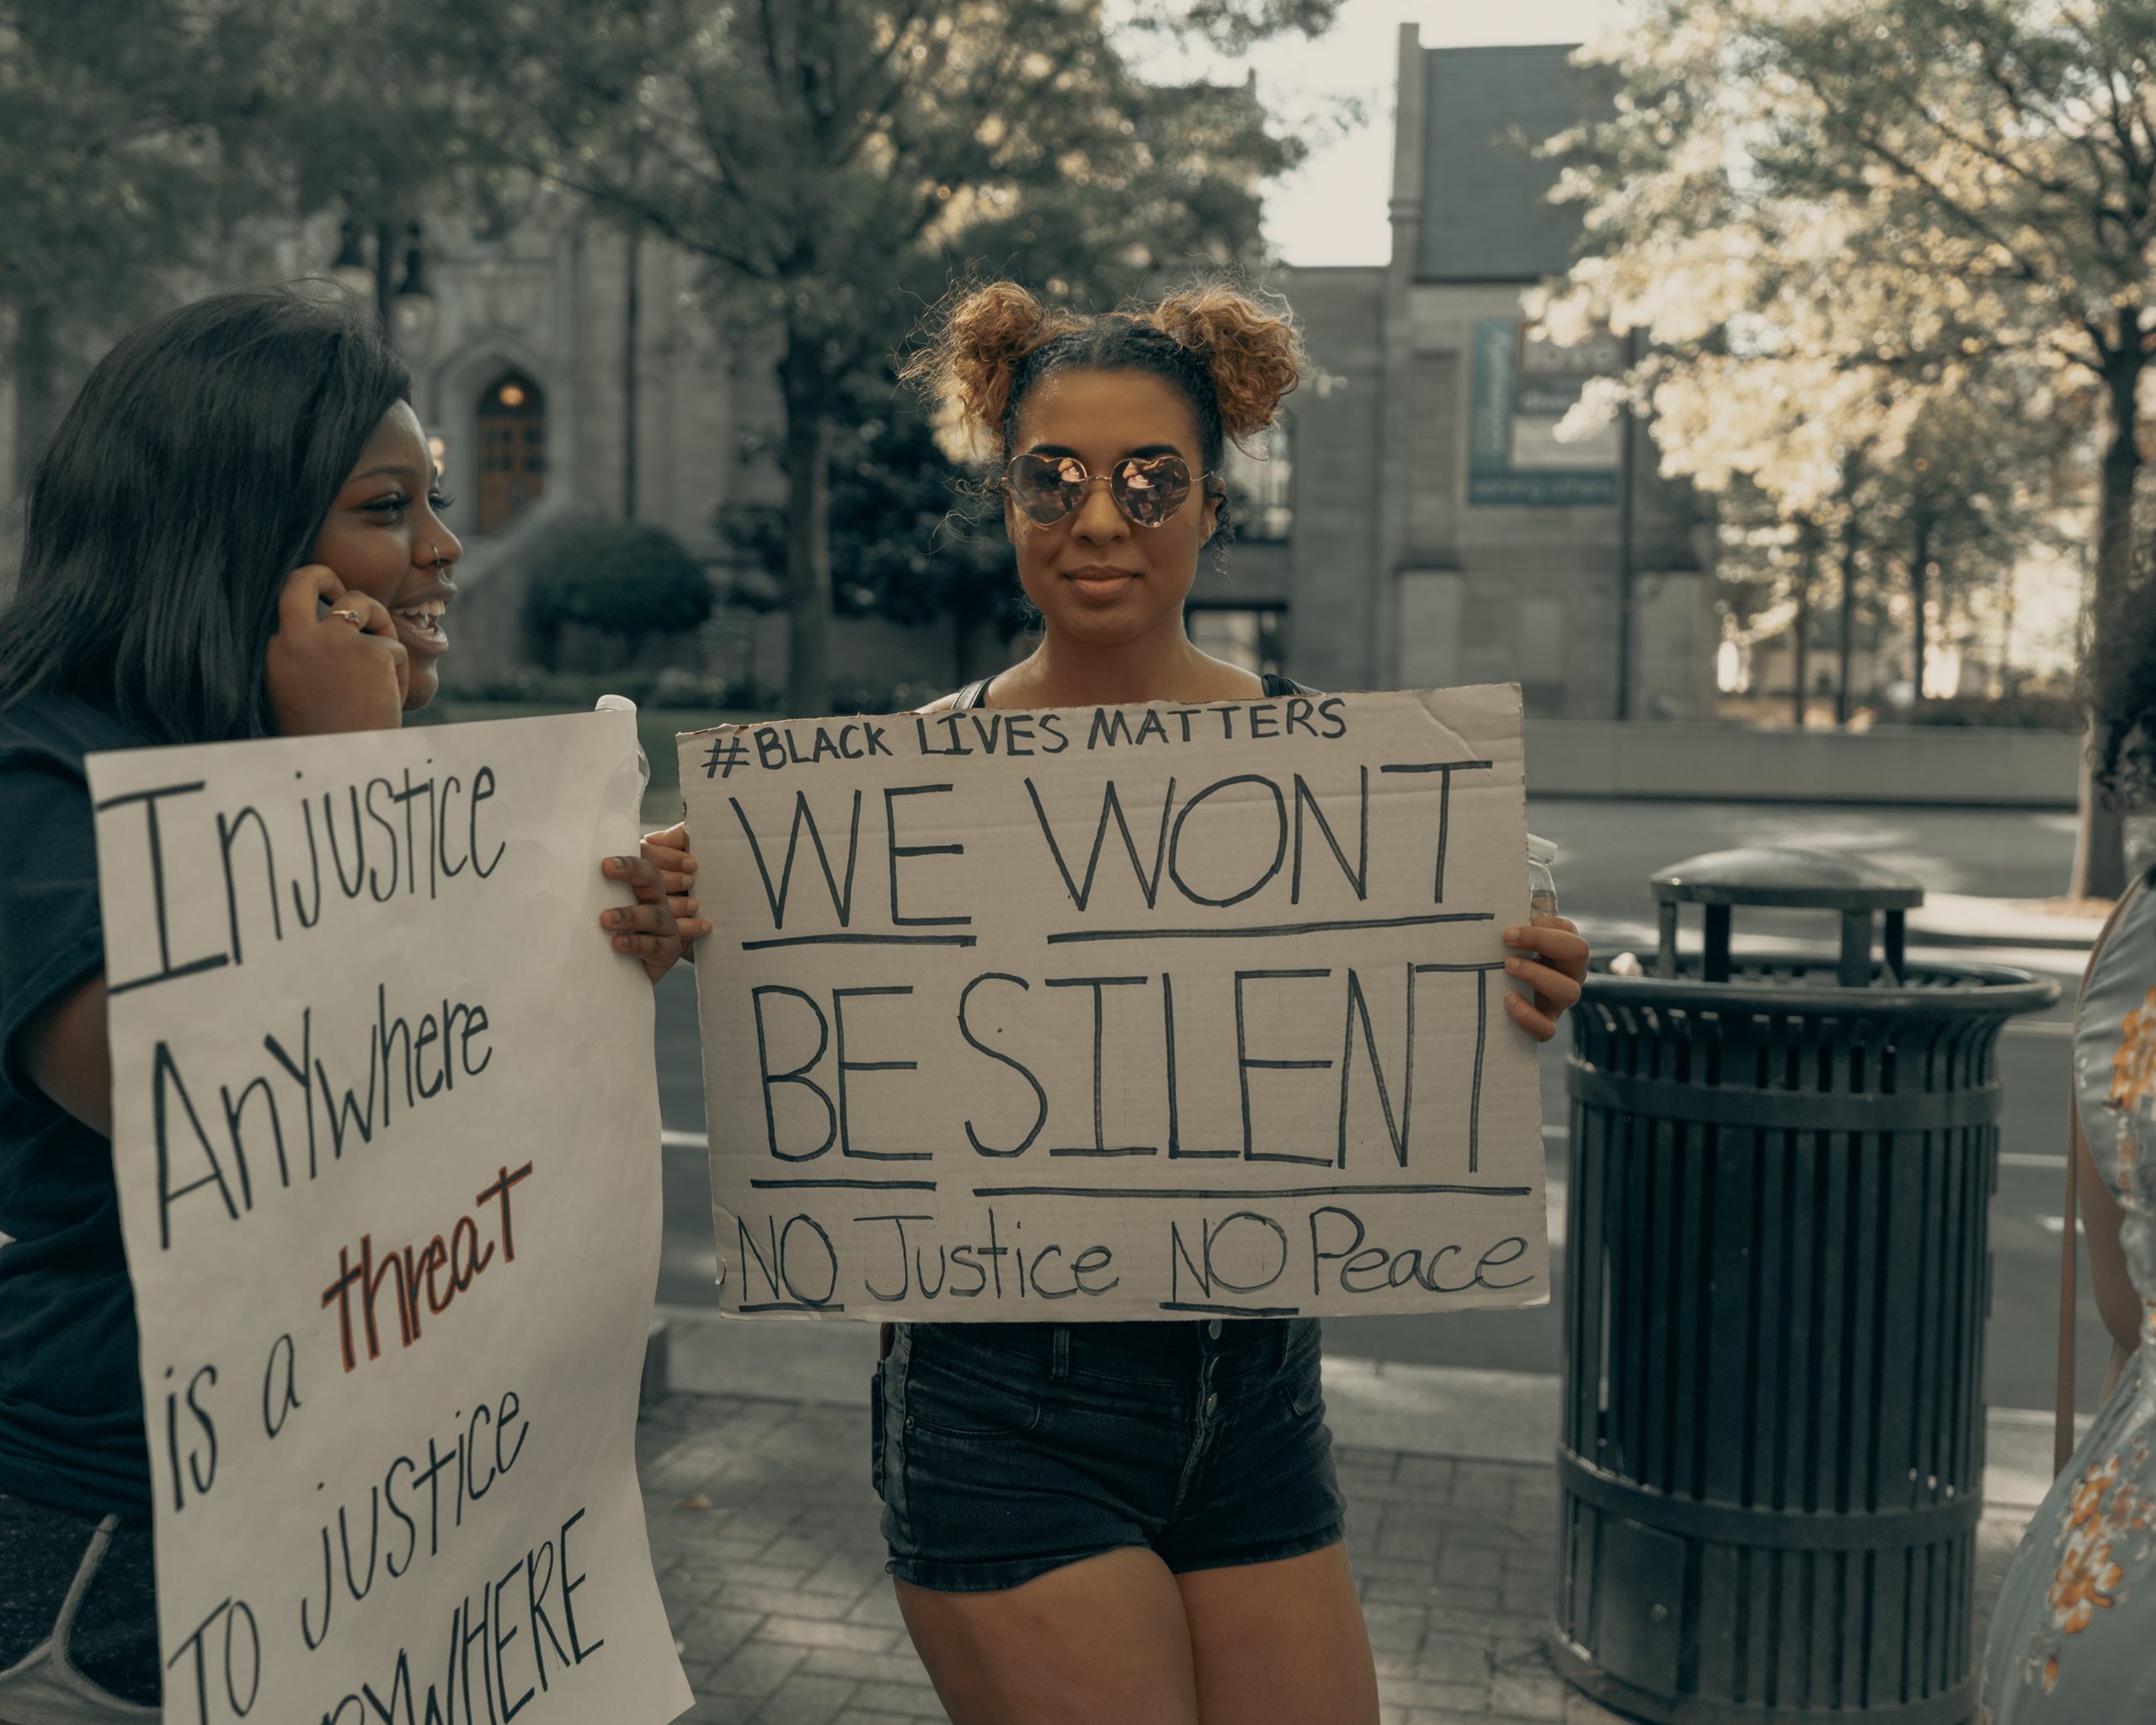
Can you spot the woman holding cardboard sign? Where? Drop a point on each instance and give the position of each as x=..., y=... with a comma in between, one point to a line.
x=1127, y=1521
x=234, y=533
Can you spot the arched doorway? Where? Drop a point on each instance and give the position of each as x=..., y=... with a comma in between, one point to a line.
x=512, y=448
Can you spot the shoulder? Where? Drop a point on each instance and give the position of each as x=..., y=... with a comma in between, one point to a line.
x=975, y=694
x=49, y=732
x=44, y=794
x=51, y=926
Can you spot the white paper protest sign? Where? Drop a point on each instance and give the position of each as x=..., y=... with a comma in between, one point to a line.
x=385, y=1125
x=1119, y=1013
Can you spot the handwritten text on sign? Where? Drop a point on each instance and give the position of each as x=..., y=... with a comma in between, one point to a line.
x=1119, y=1013
x=384, y=1129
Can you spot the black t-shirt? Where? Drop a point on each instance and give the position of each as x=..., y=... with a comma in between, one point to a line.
x=70, y=1397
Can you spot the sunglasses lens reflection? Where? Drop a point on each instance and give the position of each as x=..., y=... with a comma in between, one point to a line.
x=1047, y=488
x=1151, y=489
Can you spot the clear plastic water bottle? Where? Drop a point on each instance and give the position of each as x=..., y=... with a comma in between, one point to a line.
x=1541, y=883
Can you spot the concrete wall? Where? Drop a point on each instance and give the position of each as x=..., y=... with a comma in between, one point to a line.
x=1978, y=765
x=1487, y=593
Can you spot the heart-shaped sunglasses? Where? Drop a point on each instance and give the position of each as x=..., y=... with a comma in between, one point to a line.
x=1148, y=488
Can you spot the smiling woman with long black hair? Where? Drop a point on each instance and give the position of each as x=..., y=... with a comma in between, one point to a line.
x=234, y=533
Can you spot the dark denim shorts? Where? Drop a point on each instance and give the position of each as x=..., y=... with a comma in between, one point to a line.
x=78, y=1618
x=1003, y=1451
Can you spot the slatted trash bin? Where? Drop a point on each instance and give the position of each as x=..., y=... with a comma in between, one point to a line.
x=1771, y=1461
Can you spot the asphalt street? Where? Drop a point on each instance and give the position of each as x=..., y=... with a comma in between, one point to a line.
x=1608, y=850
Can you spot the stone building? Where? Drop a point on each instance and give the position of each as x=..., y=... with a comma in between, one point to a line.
x=1426, y=527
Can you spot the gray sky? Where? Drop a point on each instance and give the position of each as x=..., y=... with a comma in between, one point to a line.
x=1333, y=209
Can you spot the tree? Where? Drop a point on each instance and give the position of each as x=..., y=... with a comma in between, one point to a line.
x=111, y=172
x=1766, y=567
x=368, y=109
x=624, y=580
x=1833, y=215
x=834, y=162
x=909, y=542
x=136, y=134
x=1970, y=495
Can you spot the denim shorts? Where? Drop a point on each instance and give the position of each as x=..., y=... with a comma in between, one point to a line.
x=1003, y=1451
x=79, y=1621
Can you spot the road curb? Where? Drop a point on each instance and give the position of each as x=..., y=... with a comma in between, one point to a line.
x=1920, y=935
x=1965, y=919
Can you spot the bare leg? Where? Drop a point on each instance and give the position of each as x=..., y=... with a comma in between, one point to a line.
x=1284, y=1643
x=1102, y=1642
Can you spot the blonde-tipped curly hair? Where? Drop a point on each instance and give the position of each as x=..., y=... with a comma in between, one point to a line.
x=1232, y=354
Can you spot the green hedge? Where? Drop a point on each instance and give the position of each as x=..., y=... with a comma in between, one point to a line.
x=625, y=580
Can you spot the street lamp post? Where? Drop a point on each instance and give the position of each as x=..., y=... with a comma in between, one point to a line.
x=413, y=307
x=407, y=310
x=350, y=270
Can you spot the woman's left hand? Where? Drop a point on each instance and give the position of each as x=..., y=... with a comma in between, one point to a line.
x=658, y=928
x=1550, y=957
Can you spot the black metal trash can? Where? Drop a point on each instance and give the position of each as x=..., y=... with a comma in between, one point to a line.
x=1772, y=1453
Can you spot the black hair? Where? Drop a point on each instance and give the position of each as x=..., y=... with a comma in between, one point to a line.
x=190, y=476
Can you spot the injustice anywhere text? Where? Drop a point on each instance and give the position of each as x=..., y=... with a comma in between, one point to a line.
x=385, y=1133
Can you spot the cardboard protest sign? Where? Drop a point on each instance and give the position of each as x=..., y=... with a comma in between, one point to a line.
x=386, y=1126
x=1119, y=1013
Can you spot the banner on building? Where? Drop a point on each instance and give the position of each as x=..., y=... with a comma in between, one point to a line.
x=1117, y=1012
x=386, y=1132
x=1523, y=386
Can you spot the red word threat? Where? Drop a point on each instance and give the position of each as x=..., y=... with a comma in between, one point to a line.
x=436, y=1273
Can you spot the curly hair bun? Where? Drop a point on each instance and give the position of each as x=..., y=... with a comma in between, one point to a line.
x=968, y=368
x=1254, y=351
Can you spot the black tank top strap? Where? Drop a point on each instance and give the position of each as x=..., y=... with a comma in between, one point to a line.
x=972, y=695
x=1276, y=685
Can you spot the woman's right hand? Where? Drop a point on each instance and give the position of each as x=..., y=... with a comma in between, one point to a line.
x=325, y=673
x=669, y=852
x=663, y=924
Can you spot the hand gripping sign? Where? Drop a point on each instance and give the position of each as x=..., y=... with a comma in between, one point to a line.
x=385, y=1129
x=1119, y=1013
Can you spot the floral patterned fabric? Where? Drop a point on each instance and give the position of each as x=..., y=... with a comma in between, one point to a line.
x=2074, y=1635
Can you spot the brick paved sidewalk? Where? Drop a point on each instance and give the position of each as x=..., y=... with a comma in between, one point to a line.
x=764, y=1532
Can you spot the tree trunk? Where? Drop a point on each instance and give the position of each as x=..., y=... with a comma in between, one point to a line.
x=1920, y=597
x=804, y=386
x=35, y=369
x=2007, y=680
x=631, y=334
x=2099, y=838
x=1808, y=570
x=385, y=275
x=1843, y=696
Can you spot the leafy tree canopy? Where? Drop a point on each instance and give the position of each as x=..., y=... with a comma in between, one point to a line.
x=1836, y=218
x=837, y=163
